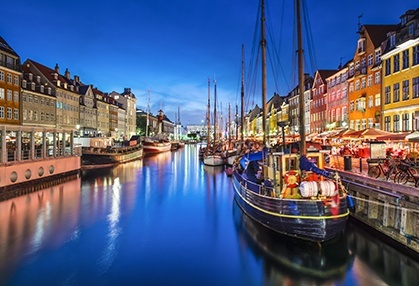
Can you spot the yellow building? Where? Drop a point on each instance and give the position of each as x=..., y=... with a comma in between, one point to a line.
x=400, y=85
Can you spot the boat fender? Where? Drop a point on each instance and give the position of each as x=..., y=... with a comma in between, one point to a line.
x=292, y=179
x=351, y=203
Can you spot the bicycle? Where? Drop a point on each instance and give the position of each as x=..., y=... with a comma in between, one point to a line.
x=407, y=174
x=387, y=167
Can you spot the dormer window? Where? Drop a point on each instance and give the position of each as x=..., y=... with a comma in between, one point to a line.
x=42, y=88
x=361, y=45
x=404, y=20
x=38, y=79
x=32, y=85
x=49, y=90
x=30, y=76
x=392, y=40
x=24, y=83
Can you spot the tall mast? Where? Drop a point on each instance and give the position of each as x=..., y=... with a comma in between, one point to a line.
x=215, y=112
x=301, y=80
x=263, y=43
x=229, y=123
x=147, y=111
x=242, y=98
x=208, y=114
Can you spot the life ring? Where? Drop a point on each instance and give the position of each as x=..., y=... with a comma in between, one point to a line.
x=292, y=179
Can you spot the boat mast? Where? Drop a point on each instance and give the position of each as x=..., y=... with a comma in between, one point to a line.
x=263, y=44
x=147, y=111
x=215, y=113
x=301, y=80
x=208, y=114
x=242, y=97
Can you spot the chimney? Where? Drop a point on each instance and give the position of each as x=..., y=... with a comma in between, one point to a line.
x=76, y=79
x=67, y=74
x=127, y=90
x=57, y=68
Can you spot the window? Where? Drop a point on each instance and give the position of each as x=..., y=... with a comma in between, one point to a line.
x=2, y=93
x=16, y=96
x=16, y=114
x=25, y=114
x=405, y=90
x=415, y=55
x=9, y=113
x=378, y=100
x=387, y=95
x=388, y=66
x=363, y=83
x=351, y=87
x=2, y=75
x=377, y=57
x=24, y=83
x=396, y=123
x=357, y=85
x=9, y=78
x=16, y=80
x=1, y=111
x=370, y=80
x=370, y=101
x=370, y=60
x=405, y=59
x=387, y=123
x=396, y=63
x=396, y=92
x=9, y=95
x=415, y=87
x=364, y=124
x=351, y=106
x=377, y=78
x=405, y=122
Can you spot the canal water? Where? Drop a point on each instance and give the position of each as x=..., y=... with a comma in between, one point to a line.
x=170, y=220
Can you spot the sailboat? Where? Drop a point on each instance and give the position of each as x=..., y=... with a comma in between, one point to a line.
x=290, y=193
x=158, y=143
x=212, y=156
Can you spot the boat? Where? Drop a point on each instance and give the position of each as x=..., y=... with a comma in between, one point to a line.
x=212, y=154
x=315, y=264
x=101, y=156
x=156, y=145
x=291, y=194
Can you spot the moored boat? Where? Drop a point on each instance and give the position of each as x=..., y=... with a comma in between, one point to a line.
x=102, y=157
x=290, y=193
x=152, y=146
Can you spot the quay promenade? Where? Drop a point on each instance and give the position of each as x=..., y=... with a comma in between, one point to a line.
x=389, y=208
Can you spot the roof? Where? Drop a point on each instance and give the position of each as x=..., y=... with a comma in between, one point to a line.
x=4, y=46
x=378, y=33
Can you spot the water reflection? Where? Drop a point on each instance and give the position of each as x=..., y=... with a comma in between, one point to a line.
x=47, y=217
x=286, y=259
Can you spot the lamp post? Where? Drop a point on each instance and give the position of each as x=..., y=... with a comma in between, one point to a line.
x=78, y=130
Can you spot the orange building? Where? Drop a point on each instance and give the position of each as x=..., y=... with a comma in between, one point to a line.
x=364, y=79
x=10, y=74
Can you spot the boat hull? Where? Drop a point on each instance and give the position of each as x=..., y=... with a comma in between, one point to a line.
x=307, y=219
x=101, y=158
x=156, y=147
x=213, y=160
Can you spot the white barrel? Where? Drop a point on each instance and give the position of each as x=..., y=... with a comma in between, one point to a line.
x=327, y=188
x=308, y=189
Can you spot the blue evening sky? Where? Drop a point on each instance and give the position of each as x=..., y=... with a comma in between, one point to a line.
x=172, y=47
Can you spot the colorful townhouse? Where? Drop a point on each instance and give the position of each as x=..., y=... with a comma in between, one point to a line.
x=10, y=76
x=364, y=78
x=400, y=84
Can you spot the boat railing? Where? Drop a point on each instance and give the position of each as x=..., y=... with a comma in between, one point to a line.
x=261, y=188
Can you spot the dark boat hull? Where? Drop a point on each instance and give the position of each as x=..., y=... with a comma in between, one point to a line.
x=307, y=219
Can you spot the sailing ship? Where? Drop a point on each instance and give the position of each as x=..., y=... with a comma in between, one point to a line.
x=212, y=154
x=290, y=193
x=158, y=143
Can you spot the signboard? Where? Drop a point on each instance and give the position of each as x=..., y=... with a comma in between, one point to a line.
x=378, y=150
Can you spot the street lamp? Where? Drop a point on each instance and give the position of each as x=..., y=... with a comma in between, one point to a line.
x=78, y=130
